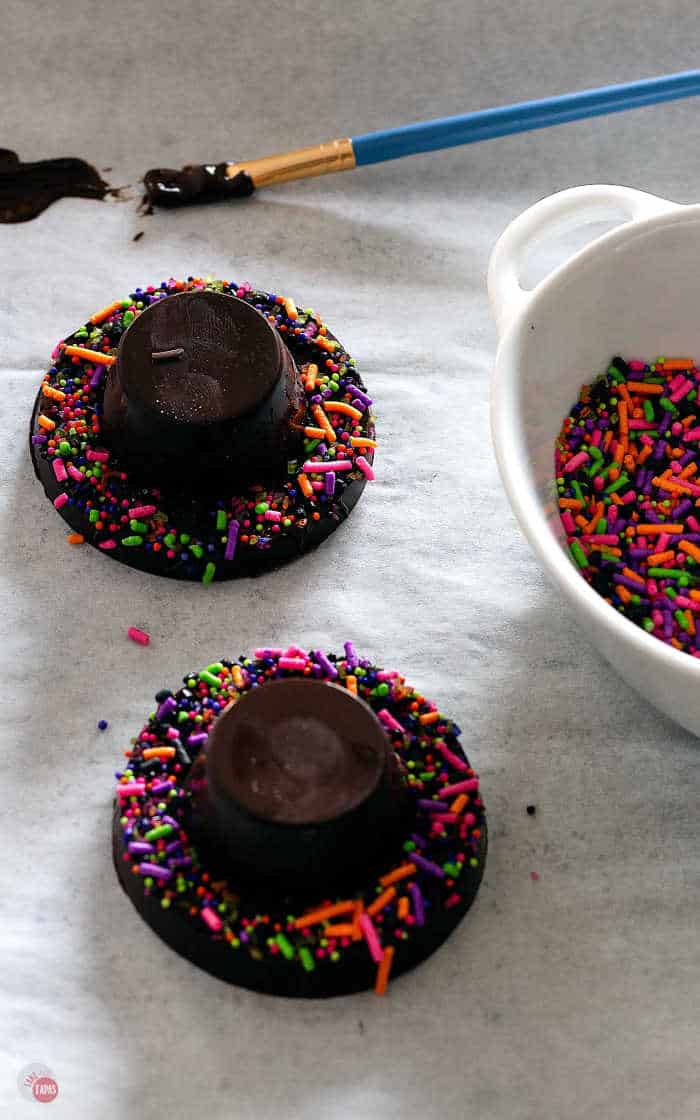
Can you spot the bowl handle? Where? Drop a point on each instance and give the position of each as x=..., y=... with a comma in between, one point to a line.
x=559, y=213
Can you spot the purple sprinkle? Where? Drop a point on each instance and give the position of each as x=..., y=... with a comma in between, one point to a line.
x=418, y=907
x=330, y=483
x=173, y=846
x=350, y=654
x=140, y=848
x=39, y=439
x=97, y=376
x=433, y=806
x=358, y=393
x=171, y=821
x=197, y=738
x=419, y=840
x=169, y=705
x=327, y=666
x=155, y=870
x=161, y=787
x=231, y=541
x=631, y=584
x=427, y=865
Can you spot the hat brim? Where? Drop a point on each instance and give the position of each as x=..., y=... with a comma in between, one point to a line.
x=341, y=966
x=183, y=539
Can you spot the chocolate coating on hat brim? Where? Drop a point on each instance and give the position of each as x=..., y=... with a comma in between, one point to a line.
x=355, y=973
x=200, y=182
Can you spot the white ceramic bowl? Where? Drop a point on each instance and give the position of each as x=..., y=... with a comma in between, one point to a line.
x=636, y=292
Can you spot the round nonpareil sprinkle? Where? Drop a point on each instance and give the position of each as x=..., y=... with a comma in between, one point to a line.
x=627, y=463
x=153, y=821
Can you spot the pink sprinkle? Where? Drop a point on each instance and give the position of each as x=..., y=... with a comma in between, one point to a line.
x=139, y=636
x=599, y=538
x=389, y=721
x=172, y=733
x=364, y=466
x=469, y=820
x=97, y=456
x=370, y=935
x=568, y=521
x=387, y=675
x=273, y=515
x=59, y=470
x=106, y=546
x=142, y=511
x=316, y=485
x=636, y=365
x=455, y=762
x=75, y=473
x=576, y=461
x=211, y=918
x=60, y=501
x=292, y=662
x=268, y=651
x=131, y=788
x=534, y=876
x=452, y=901
x=295, y=651
x=311, y=467
x=470, y=786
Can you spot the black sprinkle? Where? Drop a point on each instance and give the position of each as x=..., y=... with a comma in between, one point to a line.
x=531, y=810
x=138, y=236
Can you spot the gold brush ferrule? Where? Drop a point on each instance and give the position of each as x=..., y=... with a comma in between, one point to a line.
x=304, y=163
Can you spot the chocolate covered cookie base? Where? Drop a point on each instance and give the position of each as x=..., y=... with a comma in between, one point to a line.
x=300, y=945
x=195, y=536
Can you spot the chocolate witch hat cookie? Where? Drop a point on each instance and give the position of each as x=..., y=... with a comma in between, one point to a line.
x=202, y=430
x=299, y=823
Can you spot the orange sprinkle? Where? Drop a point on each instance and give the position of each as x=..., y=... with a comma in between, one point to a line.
x=346, y=409
x=642, y=387
x=622, y=417
x=605, y=548
x=44, y=422
x=158, y=752
x=314, y=433
x=624, y=594
x=89, y=355
x=598, y=512
x=672, y=487
x=657, y=530
x=362, y=441
x=689, y=471
x=569, y=503
x=690, y=550
x=694, y=595
x=291, y=308
x=315, y=917
x=691, y=622
x=75, y=538
x=659, y=559
x=620, y=452
x=607, y=439
x=429, y=717
x=323, y=422
x=678, y=363
x=356, y=929
x=676, y=644
x=634, y=575
x=403, y=907
x=351, y=684
x=402, y=872
x=342, y=929
x=624, y=394
x=305, y=486
x=311, y=375
x=383, y=970
x=381, y=901
x=459, y=803
x=237, y=676
x=581, y=520
x=54, y=394
x=100, y=316
x=644, y=454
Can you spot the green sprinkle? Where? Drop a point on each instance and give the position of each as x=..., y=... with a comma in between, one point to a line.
x=648, y=624
x=602, y=526
x=306, y=959
x=221, y=519
x=285, y=947
x=665, y=573
x=618, y=484
x=578, y=492
x=451, y=869
x=210, y=679
x=261, y=507
x=170, y=539
x=648, y=410
x=94, y=516
x=158, y=832
x=185, y=538
x=311, y=445
x=427, y=775
x=138, y=526
x=681, y=620
x=197, y=550
x=215, y=667
x=209, y=573
x=668, y=405
x=182, y=717
x=578, y=554
x=132, y=542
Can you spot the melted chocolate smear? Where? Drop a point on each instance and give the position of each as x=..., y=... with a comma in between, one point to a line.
x=26, y=189
x=202, y=182
x=137, y=236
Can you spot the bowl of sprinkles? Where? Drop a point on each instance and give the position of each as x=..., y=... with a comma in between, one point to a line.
x=222, y=909
x=216, y=525
x=596, y=427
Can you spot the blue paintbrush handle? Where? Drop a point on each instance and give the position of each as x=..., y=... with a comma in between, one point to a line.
x=467, y=128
